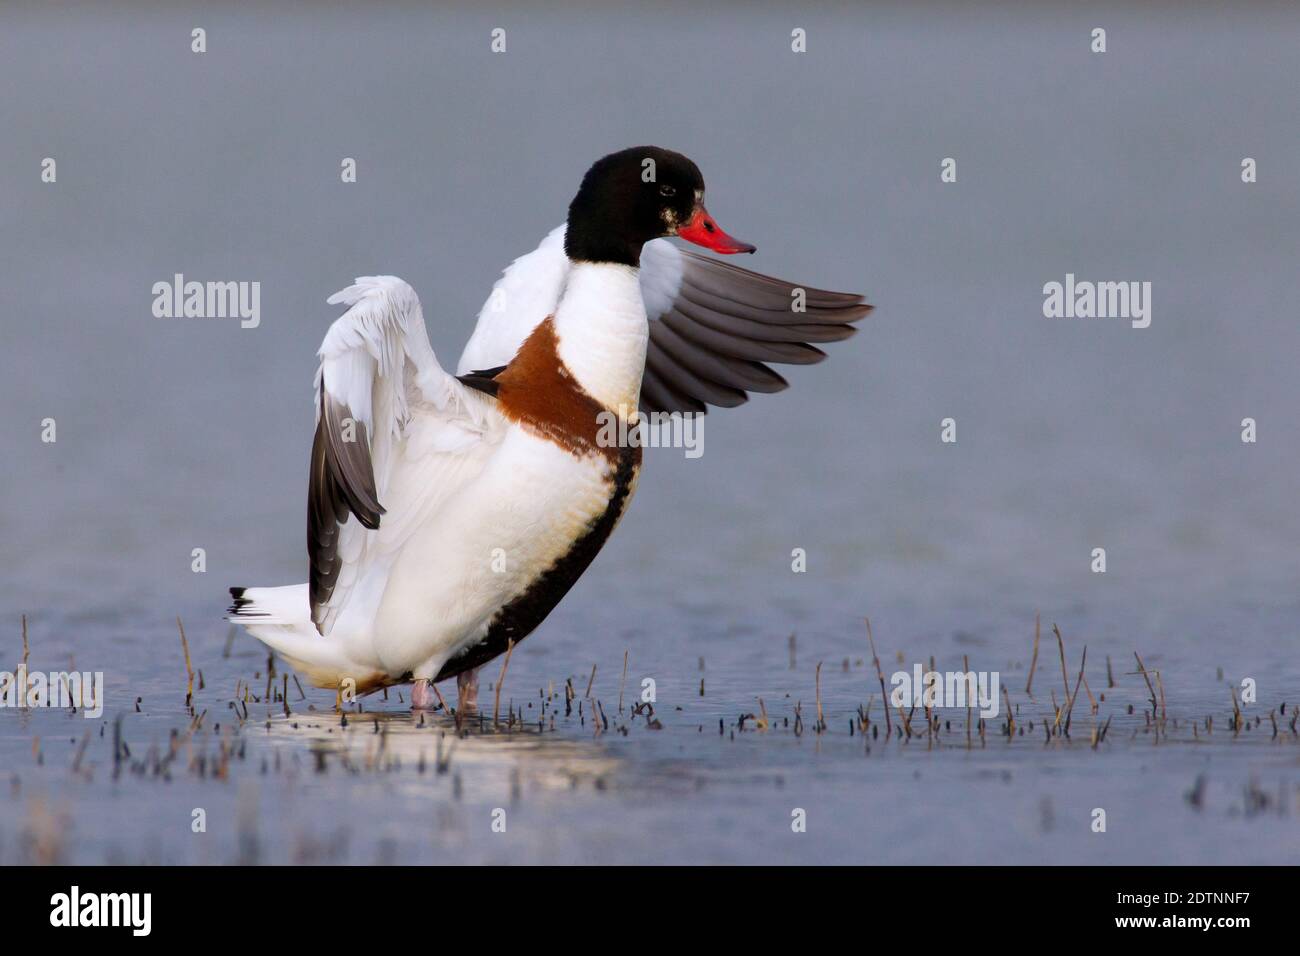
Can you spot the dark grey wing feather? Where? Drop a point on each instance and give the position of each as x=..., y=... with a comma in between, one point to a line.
x=341, y=483
x=710, y=347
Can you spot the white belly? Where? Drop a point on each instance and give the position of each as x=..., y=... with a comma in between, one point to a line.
x=482, y=549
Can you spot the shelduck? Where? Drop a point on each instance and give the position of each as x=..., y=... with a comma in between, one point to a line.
x=447, y=515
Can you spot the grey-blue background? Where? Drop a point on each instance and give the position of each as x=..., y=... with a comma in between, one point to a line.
x=1072, y=434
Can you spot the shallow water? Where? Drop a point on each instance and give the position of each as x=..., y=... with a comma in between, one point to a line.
x=1072, y=434
x=385, y=787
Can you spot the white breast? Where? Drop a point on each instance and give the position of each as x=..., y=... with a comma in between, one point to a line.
x=602, y=330
x=519, y=517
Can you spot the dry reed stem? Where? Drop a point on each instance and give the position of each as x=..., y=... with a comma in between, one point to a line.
x=81, y=751
x=1060, y=645
x=907, y=722
x=1070, y=711
x=189, y=668
x=1142, y=669
x=821, y=722
x=889, y=728
x=496, y=703
x=965, y=666
x=1033, y=664
x=623, y=683
x=1091, y=700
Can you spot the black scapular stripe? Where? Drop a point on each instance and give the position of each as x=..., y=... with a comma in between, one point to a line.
x=518, y=619
x=482, y=380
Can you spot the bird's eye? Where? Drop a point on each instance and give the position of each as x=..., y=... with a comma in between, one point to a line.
x=667, y=190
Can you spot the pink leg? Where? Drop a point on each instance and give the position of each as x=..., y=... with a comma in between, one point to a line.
x=467, y=690
x=422, y=696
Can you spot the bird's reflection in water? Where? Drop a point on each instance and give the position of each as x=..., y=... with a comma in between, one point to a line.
x=482, y=755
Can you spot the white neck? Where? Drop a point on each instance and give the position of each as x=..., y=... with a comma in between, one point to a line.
x=602, y=330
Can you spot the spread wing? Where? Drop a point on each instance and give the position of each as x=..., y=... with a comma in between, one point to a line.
x=527, y=292
x=383, y=403
x=713, y=326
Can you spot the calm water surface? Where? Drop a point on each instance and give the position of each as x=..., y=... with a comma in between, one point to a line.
x=1072, y=434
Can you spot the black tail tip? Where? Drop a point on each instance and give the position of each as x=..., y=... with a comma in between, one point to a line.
x=238, y=600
